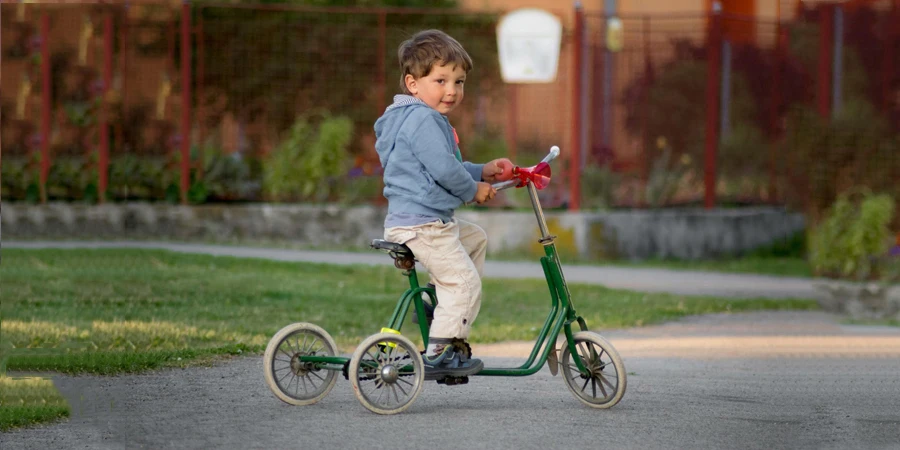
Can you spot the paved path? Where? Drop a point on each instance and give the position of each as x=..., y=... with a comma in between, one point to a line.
x=640, y=279
x=738, y=381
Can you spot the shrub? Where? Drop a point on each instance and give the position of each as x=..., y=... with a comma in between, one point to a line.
x=853, y=240
x=307, y=164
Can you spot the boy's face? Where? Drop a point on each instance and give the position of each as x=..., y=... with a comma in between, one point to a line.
x=442, y=89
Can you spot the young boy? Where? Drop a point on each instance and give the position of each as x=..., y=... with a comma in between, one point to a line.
x=425, y=180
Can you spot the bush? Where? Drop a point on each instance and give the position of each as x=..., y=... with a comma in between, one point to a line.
x=307, y=165
x=853, y=240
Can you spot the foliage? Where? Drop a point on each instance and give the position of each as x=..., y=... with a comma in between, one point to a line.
x=794, y=246
x=133, y=176
x=598, y=185
x=225, y=177
x=20, y=177
x=663, y=103
x=307, y=164
x=665, y=176
x=854, y=237
x=484, y=145
x=286, y=65
x=70, y=177
x=824, y=158
x=362, y=189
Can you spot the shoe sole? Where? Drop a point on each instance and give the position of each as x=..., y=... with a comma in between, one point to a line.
x=437, y=374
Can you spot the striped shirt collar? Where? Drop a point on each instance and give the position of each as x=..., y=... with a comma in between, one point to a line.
x=401, y=100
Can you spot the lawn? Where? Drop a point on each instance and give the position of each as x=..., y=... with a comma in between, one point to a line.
x=29, y=400
x=113, y=311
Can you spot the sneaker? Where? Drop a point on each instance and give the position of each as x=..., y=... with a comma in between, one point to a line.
x=449, y=362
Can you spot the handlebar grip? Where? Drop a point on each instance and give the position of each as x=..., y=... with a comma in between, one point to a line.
x=554, y=152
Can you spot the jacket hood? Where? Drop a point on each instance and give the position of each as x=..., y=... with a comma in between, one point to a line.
x=388, y=125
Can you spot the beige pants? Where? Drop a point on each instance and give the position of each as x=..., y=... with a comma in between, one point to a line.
x=453, y=253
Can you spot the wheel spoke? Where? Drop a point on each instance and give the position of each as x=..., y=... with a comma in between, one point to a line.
x=374, y=388
x=585, y=384
x=311, y=382
x=604, y=380
x=296, y=382
x=291, y=372
x=317, y=375
x=594, y=387
x=303, y=380
x=396, y=397
x=303, y=347
x=406, y=394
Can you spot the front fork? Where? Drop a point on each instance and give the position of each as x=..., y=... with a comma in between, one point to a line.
x=558, y=285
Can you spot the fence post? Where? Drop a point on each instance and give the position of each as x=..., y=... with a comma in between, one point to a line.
x=775, y=108
x=575, y=156
x=103, y=160
x=380, y=89
x=837, y=59
x=887, y=60
x=201, y=75
x=825, y=69
x=46, y=105
x=713, y=80
x=185, y=99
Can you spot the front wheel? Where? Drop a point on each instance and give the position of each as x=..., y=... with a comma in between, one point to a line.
x=604, y=383
x=386, y=373
x=291, y=379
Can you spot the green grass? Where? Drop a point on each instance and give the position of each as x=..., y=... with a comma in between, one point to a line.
x=29, y=400
x=114, y=311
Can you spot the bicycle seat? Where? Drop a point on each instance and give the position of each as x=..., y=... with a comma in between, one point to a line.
x=402, y=255
x=391, y=247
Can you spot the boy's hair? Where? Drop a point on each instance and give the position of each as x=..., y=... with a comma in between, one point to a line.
x=420, y=53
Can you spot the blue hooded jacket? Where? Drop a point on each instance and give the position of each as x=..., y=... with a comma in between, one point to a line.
x=425, y=178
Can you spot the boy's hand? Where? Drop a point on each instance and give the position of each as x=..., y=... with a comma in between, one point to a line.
x=497, y=170
x=484, y=193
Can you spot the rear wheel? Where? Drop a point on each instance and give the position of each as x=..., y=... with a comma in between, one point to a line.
x=603, y=385
x=292, y=379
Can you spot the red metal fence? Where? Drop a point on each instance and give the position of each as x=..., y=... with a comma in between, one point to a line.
x=100, y=102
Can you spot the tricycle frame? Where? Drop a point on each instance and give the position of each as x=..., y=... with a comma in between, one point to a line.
x=561, y=317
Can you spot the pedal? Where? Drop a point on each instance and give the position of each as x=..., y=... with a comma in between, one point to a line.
x=453, y=381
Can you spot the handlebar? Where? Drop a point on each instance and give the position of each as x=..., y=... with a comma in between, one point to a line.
x=554, y=152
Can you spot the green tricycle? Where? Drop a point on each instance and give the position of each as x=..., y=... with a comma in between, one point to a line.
x=302, y=363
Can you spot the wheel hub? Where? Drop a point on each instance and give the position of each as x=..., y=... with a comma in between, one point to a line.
x=390, y=374
x=298, y=367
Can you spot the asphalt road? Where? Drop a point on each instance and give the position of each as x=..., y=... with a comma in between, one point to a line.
x=797, y=388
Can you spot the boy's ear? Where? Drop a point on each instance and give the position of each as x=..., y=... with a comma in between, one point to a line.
x=411, y=85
